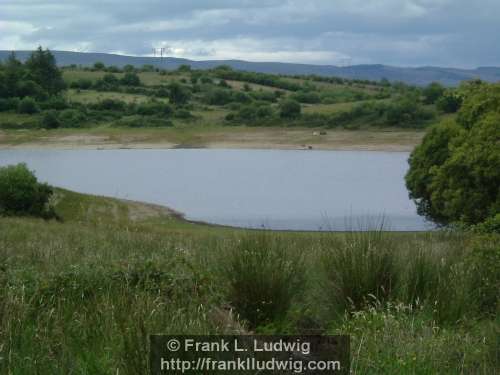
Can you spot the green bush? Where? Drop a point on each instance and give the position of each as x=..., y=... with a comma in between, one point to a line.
x=50, y=120
x=31, y=88
x=9, y=104
x=306, y=97
x=72, y=118
x=289, y=109
x=22, y=194
x=28, y=106
x=55, y=102
x=111, y=105
x=154, y=108
x=218, y=96
x=433, y=92
x=130, y=79
x=82, y=83
x=178, y=94
x=450, y=102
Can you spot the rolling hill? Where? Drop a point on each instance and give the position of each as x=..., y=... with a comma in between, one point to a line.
x=416, y=76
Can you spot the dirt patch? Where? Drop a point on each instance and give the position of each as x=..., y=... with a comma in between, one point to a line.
x=82, y=138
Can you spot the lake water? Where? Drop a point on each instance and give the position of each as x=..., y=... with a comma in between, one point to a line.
x=275, y=189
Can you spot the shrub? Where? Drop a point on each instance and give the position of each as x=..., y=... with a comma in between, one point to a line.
x=218, y=97
x=111, y=105
x=28, y=106
x=268, y=96
x=110, y=79
x=130, y=79
x=450, y=102
x=306, y=97
x=99, y=65
x=178, y=94
x=433, y=92
x=50, y=120
x=289, y=109
x=72, y=118
x=154, y=108
x=263, y=277
x=55, y=102
x=22, y=194
x=31, y=88
x=183, y=114
x=9, y=104
x=162, y=92
x=250, y=113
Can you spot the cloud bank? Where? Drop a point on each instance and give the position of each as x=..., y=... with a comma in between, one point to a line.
x=459, y=33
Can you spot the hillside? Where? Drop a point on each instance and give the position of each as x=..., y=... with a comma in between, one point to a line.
x=415, y=76
x=107, y=106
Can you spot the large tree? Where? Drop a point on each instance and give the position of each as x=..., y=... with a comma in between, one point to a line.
x=43, y=70
x=454, y=174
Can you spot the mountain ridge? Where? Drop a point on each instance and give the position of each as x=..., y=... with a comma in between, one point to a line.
x=410, y=75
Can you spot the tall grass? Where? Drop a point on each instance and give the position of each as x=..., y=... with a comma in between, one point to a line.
x=360, y=267
x=78, y=298
x=263, y=277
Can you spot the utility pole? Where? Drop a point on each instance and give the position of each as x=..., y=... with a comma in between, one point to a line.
x=161, y=51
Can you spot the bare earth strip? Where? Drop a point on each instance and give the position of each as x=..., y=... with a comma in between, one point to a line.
x=243, y=138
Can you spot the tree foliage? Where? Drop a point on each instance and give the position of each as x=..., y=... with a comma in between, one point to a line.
x=433, y=92
x=43, y=70
x=37, y=78
x=290, y=109
x=178, y=94
x=22, y=194
x=454, y=174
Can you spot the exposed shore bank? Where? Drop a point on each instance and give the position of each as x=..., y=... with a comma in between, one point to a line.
x=222, y=138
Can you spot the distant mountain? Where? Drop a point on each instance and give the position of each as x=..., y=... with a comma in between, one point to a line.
x=416, y=76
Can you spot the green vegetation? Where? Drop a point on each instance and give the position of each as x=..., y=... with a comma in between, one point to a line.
x=22, y=194
x=81, y=294
x=454, y=174
x=111, y=272
x=241, y=98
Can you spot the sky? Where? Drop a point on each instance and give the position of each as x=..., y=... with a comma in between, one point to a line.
x=452, y=33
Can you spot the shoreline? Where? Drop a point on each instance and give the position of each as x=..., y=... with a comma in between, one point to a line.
x=211, y=146
x=397, y=140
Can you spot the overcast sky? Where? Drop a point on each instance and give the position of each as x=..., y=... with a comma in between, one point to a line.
x=460, y=33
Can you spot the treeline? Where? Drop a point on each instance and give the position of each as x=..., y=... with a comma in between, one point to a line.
x=38, y=77
x=37, y=88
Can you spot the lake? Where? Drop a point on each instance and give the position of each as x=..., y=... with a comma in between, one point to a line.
x=274, y=189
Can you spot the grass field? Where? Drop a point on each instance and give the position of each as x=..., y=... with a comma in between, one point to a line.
x=81, y=295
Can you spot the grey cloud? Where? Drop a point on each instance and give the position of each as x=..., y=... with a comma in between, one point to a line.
x=397, y=32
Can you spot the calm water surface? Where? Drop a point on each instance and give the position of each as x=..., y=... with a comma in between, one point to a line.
x=276, y=189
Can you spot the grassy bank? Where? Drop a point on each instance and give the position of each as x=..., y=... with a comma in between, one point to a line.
x=81, y=295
